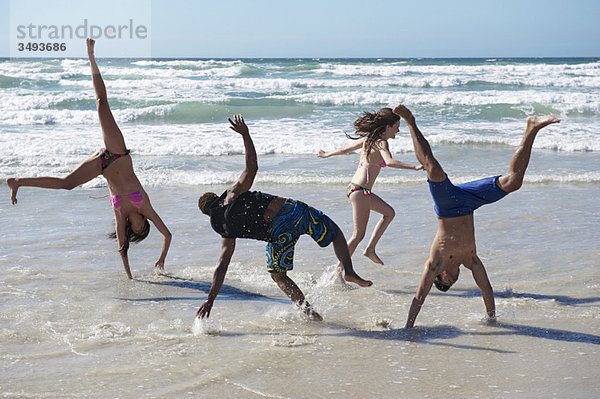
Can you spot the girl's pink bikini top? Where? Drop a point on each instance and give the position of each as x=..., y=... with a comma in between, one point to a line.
x=136, y=199
x=381, y=165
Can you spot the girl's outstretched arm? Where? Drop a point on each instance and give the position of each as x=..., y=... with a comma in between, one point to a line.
x=342, y=150
x=384, y=149
x=122, y=242
x=151, y=214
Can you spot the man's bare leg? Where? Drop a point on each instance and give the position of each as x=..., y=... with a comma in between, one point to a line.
x=290, y=288
x=520, y=160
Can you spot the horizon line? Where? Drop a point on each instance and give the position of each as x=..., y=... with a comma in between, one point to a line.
x=315, y=58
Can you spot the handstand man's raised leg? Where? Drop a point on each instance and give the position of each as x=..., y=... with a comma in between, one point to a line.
x=520, y=160
x=518, y=163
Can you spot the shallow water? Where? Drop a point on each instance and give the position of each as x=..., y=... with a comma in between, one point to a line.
x=72, y=326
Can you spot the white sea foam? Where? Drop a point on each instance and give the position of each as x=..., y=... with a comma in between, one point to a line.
x=22, y=107
x=154, y=176
x=166, y=110
x=173, y=178
x=60, y=91
x=548, y=75
x=27, y=150
x=67, y=70
x=403, y=74
x=564, y=101
x=110, y=331
x=187, y=63
x=35, y=116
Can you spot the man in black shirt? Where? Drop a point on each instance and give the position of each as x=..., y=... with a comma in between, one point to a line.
x=241, y=213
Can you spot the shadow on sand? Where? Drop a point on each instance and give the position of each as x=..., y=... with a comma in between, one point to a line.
x=507, y=293
x=437, y=334
x=227, y=292
x=420, y=334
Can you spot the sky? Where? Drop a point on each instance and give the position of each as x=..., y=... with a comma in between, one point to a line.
x=327, y=28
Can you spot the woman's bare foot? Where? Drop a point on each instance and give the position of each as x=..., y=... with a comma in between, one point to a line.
x=356, y=279
x=538, y=122
x=14, y=187
x=370, y=253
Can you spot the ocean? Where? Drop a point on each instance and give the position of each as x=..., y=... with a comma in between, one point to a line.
x=72, y=326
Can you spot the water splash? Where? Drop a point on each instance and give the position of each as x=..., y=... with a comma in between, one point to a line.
x=206, y=326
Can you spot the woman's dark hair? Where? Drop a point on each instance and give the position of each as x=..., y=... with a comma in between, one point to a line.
x=371, y=125
x=131, y=235
x=206, y=201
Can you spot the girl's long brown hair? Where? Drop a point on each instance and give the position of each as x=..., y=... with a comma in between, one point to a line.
x=132, y=236
x=371, y=125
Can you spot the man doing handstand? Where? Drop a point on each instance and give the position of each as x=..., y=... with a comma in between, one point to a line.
x=454, y=243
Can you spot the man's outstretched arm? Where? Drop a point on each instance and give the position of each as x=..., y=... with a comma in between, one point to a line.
x=227, y=249
x=425, y=284
x=483, y=282
x=422, y=148
x=246, y=179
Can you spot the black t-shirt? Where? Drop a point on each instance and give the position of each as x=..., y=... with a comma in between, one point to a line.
x=242, y=218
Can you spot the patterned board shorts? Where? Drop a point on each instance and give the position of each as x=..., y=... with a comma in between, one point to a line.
x=294, y=219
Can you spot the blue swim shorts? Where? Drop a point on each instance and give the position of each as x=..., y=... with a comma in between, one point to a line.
x=452, y=201
x=294, y=219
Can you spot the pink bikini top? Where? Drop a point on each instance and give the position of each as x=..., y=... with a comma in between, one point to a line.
x=136, y=199
x=381, y=165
